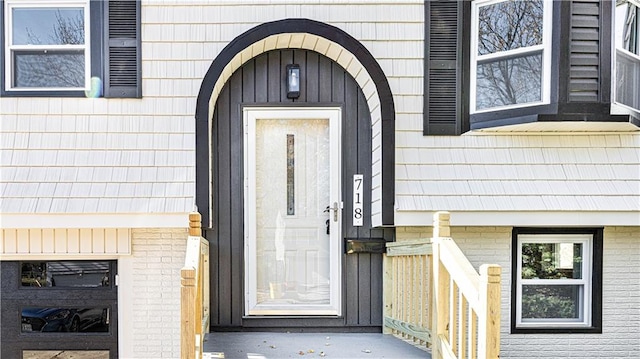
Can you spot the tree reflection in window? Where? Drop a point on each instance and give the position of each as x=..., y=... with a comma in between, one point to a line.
x=78, y=274
x=509, y=53
x=626, y=33
x=49, y=47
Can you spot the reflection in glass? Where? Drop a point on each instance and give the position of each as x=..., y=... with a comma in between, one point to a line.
x=552, y=302
x=48, y=26
x=627, y=33
x=509, y=25
x=48, y=47
x=49, y=68
x=65, y=354
x=83, y=274
x=71, y=320
x=627, y=80
x=552, y=260
x=509, y=81
x=292, y=250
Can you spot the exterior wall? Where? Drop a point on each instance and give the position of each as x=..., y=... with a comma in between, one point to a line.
x=150, y=294
x=86, y=155
x=148, y=285
x=621, y=301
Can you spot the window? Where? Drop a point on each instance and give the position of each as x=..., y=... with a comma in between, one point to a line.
x=510, y=54
x=627, y=63
x=70, y=48
x=557, y=280
x=47, y=45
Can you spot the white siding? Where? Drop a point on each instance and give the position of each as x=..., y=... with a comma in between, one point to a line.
x=620, y=337
x=70, y=155
x=519, y=172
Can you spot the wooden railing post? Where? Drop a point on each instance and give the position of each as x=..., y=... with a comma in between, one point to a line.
x=387, y=291
x=194, y=291
x=195, y=224
x=187, y=313
x=489, y=333
x=440, y=319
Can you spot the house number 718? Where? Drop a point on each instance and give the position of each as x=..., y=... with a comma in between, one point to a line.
x=357, y=200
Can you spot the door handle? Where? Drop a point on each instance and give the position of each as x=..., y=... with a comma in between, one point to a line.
x=335, y=209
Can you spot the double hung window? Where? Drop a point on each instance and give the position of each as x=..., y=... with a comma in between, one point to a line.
x=70, y=48
x=556, y=280
x=47, y=45
x=510, y=54
x=627, y=55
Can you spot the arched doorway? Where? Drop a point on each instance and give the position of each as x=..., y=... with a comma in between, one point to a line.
x=325, y=84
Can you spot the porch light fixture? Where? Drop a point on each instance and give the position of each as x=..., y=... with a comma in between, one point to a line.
x=293, y=81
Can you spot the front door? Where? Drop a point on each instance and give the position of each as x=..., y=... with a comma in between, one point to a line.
x=292, y=211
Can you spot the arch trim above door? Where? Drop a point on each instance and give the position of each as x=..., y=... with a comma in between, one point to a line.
x=333, y=43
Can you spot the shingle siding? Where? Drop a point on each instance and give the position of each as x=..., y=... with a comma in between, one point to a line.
x=101, y=147
x=518, y=172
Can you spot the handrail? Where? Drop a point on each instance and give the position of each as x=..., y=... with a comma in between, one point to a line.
x=194, y=292
x=434, y=296
x=466, y=304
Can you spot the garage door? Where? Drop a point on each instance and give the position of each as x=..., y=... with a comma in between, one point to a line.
x=59, y=309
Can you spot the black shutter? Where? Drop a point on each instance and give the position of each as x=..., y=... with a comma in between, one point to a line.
x=446, y=58
x=122, y=49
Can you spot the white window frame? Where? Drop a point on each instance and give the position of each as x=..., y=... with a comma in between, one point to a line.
x=618, y=107
x=545, y=47
x=9, y=5
x=585, y=320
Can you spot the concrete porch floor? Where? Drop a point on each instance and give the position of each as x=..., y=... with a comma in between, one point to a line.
x=274, y=345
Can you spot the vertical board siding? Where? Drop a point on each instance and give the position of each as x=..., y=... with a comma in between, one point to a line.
x=98, y=241
x=584, y=60
x=260, y=81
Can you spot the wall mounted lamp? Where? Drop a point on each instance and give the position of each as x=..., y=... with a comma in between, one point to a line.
x=293, y=81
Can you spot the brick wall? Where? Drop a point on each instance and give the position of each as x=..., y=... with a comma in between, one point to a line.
x=620, y=336
x=157, y=257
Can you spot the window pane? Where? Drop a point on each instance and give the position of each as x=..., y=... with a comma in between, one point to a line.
x=627, y=80
x=78, y=274
x=49, y=69
x=627, y=27
x=509, y=25
x=65, y=354
x=552, y=302
x=48, y=26
x=71, y=320
x=509, y=81
x=552, y=260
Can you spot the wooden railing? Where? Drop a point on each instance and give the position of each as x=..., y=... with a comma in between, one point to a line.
x=434, y=296
x=194, y=292
x=408, y=291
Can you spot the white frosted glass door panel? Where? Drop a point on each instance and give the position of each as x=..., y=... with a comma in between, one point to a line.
x=291, y=248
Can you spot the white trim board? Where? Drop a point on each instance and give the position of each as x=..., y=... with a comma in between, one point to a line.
x=120, y=220
x=521, y=218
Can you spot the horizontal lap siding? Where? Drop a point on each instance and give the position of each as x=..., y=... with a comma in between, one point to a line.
x=261, y=80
